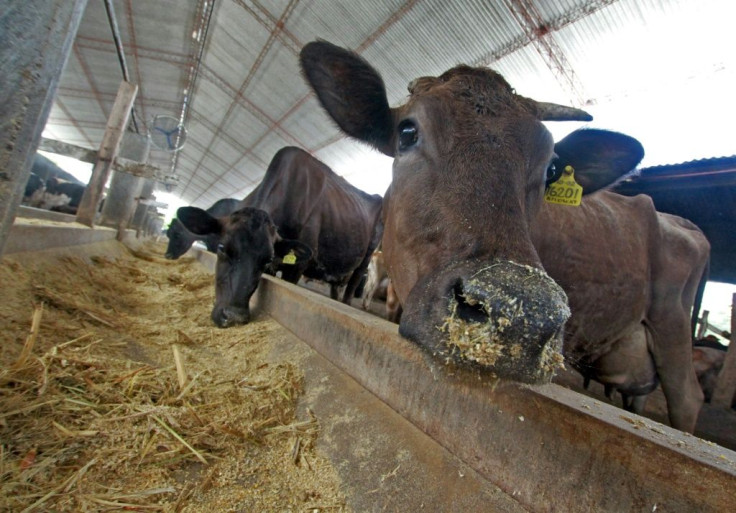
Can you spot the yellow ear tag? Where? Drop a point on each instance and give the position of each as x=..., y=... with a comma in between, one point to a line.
x=565, y=191
x=289, y=259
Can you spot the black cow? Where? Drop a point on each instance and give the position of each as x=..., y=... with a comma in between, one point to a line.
x=181, y=239
x=52, y=188
x=34, y=184
x=61, y=188
x=302, y=219
x=46, y=168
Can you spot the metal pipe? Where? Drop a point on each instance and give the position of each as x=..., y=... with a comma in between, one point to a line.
x=121, y=52
x=204, y=26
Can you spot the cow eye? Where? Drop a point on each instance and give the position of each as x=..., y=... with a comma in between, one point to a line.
x=552, y=174
x=408, y=135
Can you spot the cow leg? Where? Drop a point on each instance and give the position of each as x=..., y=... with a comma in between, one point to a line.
x=335, y=291
x=671, y=349
x=608, y=390
x=355, y=279
x=586, y=382
x=393, y=306
x=637, y=403
x=370, y=286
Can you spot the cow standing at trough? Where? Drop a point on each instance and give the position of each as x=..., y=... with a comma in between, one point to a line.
x=468, y=236
x=302, y=219
x=181, y=239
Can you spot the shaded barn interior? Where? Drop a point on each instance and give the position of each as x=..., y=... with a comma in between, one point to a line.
x=703, y=191
x=400, y=433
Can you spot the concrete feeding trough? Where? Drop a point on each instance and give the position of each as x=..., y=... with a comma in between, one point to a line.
x=552, y=449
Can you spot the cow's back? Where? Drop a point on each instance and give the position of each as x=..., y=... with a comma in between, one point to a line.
x=307, y=201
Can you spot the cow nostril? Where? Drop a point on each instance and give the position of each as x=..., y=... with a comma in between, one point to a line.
x=468, y=308
x=220, y=318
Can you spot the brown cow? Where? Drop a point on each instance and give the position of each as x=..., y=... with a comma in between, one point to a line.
x=328, y=227
x=466, y=231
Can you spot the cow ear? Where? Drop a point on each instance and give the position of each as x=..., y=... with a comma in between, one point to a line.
x=598, y=157
x=284, y=247
x=351, y=91
x=198, y=221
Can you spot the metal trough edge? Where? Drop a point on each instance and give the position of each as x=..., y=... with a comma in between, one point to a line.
x=549, y=447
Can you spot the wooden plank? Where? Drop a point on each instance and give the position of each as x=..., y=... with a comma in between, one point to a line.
x=68, y=150
x=726, y=384
x=550, y=448
x=116, y=124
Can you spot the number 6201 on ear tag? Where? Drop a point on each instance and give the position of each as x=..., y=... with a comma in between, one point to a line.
x=564, y=191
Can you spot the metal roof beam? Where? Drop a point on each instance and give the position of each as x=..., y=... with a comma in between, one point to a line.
x=271, y=23
x=134, y=48
x=251, y=73
x=539, y=33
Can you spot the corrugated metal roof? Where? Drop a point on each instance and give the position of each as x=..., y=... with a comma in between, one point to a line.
x=246, y=98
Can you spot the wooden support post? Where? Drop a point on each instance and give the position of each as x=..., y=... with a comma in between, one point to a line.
x=726, y=384
x=116, y=124
x=703, y=325
x=36, y=37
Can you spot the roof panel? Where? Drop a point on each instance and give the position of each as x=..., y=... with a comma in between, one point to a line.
x=229, y=52
x=245, y=127
x=630, y=57
x=225, y=152
x=276, y=97
x=163, y=25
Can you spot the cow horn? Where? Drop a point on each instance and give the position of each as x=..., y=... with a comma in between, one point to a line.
x=555, y=112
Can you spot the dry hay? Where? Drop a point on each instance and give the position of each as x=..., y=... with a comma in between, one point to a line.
x=117, y=393
x=503, y=340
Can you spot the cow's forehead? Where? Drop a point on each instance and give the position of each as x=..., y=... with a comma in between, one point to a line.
x=246, y=220
x=483, y=90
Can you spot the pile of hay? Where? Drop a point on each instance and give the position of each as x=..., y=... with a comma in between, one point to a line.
x=116, y=392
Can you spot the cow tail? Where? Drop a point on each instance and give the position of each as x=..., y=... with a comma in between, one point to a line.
x=699, y=299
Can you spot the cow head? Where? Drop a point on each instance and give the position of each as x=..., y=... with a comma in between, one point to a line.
x=248, y=245
x=471, y=160
x=180, y=240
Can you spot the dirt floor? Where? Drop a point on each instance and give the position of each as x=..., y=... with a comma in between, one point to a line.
x=117, y=393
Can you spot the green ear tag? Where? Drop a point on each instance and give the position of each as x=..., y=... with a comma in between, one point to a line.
x=289, y=259
x=564, y=191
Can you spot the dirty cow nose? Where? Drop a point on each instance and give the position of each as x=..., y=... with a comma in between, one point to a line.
x=504, y=318
x=230, y=316
x=169, y=256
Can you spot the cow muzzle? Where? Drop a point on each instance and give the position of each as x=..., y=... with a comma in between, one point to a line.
x=503, y=318
x=225, y=317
